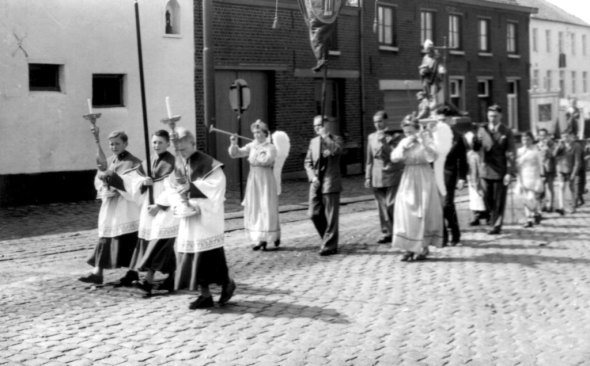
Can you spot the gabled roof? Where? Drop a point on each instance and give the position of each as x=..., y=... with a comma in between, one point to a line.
x=551, y=12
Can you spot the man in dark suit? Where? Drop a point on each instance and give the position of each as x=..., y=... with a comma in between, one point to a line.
x=455, y=174
x=381, y=174
x=498, y=168
x=322, y=165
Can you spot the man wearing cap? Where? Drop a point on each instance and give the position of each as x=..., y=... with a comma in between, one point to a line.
x=498, y=168
x=381, y=174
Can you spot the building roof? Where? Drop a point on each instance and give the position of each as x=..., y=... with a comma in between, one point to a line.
x=551, y=12
x=513, y=5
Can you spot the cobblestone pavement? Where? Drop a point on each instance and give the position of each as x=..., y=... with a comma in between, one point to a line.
x=520, y=298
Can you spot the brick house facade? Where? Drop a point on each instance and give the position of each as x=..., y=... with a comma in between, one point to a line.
x=361, y=82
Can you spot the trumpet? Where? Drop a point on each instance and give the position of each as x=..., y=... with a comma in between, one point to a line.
x=213, y=129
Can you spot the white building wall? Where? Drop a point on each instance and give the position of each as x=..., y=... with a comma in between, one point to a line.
x=543, y=60
x=42, y=131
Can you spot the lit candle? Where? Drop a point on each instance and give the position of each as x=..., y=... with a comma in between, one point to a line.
x=89, y=101
x=168, y=109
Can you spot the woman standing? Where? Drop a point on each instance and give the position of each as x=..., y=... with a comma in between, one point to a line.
x=529, y=163
x=261, y=201
x=418, y=209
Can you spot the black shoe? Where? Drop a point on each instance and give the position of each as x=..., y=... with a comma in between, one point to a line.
x=277, y=243
x=201, y=303
x=474, y=222
x=495, y=231
x=260, y=245
x=92, y=278
x=128, y=279
x=544, y=209
x=384, y=239
x=227, y=292
x=407, y=257
x=324, y=252
x=145, y=286
x=538, y=219
x=560, y=211
x=167, y=284
x=528, y=224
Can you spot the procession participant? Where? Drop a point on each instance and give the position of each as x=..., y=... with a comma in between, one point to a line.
x=118, y=218
x=476, y=203
x=382, y=175
x=322, y=165
x=529, y=163
x=497, y=145
x=261, y=201
x=418, y=209
x=199, y=244
x=568, y=163
x=157, y=226
x=579, y=180
x=455, y=174
x=547, y=149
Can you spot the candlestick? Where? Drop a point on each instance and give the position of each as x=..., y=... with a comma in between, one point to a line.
x=168, y=109
x=89, y=101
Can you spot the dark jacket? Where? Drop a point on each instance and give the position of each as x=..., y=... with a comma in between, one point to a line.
x=380, y=170
x=456, y=161
x=498, y=159
x=326, y=169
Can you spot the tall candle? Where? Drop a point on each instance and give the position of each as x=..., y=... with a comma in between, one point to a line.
x=89, y=101
x=168, y=109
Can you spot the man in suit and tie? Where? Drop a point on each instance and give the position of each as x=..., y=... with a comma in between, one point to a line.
x=381, y=174
x=322, y=165
x=498, y=168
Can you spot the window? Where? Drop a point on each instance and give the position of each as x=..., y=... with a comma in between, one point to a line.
x=574, y=82
x=548, y=40
x=583, y=44
x=511, y=40
x=172, y=17
x=512, y=100
x=333, y=41
x=562, y=84
x=386, y=27
x=573, y=40
x=584, y=82
x=483, y=88
x=534, y=40
x=44, y=77
x=484, y=97
x=535, y=80
x=456, y=92
x=426, y=26
x=549, y=80
x=107, y=90
x=353, y=3
x=484, y=35
x=455, y=41
x=560, y=42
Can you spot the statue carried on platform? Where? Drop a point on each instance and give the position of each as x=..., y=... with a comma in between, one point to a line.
x=432, y=72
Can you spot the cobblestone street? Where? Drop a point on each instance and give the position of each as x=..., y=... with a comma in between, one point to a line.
x=520, y=298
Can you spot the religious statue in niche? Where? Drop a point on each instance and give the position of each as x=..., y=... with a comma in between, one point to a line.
x=168, y=22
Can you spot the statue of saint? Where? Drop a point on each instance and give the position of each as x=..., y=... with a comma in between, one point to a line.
x=432, y=73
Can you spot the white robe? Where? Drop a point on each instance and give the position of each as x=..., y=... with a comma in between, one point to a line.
x=162, y=226
x=442, y=135
x=118, y=215
x=203, y=232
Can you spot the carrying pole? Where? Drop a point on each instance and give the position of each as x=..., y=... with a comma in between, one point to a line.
x=143, y=104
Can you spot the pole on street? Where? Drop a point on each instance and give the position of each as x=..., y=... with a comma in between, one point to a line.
x=143, y=103
x=208, y=68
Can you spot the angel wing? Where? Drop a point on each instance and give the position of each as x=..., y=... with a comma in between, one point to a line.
x=281, y=141
x=443, y=139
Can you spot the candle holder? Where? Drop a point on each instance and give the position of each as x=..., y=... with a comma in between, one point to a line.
x=185, y=210
x=101, y=161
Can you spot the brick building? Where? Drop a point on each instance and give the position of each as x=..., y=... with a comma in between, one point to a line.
x=373, y=65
